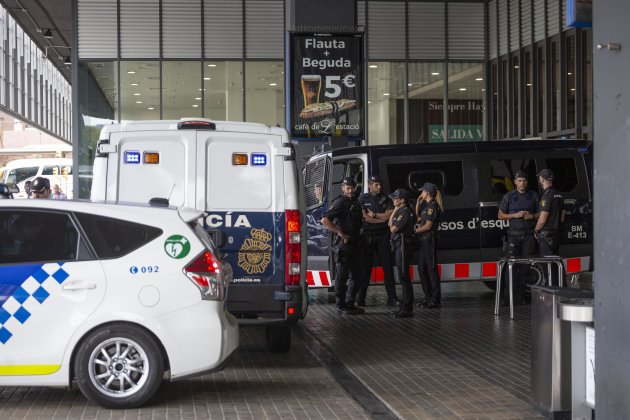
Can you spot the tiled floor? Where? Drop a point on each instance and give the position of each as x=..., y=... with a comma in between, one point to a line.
x=457, y=362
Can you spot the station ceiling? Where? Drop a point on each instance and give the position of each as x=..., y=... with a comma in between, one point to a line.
x=36, y=17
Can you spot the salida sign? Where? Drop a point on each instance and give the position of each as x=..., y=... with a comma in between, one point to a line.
x=326, y=86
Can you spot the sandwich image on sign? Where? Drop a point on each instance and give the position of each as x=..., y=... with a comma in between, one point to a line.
x=323, y=109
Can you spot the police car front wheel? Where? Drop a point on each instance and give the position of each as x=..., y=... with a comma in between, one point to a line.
x=119, y=366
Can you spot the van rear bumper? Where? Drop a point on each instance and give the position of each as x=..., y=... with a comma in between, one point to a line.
x=265, y=304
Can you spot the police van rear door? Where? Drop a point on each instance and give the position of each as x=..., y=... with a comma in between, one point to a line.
x=318, y=198
x=142, y=165
x=241, y=187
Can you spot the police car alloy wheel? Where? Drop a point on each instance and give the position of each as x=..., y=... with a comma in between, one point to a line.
x=119, y=366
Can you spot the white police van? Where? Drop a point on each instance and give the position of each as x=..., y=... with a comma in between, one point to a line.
x=244, y=176
x=114, y=297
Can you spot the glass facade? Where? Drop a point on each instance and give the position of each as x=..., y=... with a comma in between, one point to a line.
x=31, y=87
x=541, y=85
x=434, y=71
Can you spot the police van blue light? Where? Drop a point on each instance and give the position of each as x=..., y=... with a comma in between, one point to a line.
x=259, y=159
x=132, y=157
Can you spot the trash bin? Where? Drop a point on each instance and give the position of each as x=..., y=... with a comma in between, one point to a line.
x=579, y=314
x=551, y=351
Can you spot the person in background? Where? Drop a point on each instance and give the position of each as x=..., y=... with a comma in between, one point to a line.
x=27, y=188
x=57, y=194
x=401, y=224
x=377, y=207
x=40, y=188
x=429, y=207
x=344, y=219
x=519, y=206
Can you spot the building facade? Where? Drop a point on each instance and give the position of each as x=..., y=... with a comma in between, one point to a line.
x=435, y=70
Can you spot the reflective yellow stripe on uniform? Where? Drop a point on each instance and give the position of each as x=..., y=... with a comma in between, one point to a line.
x=18, y=370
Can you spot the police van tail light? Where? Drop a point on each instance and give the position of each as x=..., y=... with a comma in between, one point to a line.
x=293, y=247
x=205, y=272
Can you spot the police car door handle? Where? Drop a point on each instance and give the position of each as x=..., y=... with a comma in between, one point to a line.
x=488, y=203
x=79, y=285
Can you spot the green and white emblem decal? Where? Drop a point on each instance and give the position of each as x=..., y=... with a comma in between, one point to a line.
x=176, y=246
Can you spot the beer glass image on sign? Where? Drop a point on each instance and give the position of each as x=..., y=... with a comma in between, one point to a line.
x=311, y=86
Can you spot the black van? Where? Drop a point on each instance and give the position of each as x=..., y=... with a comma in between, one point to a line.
x=473, y=178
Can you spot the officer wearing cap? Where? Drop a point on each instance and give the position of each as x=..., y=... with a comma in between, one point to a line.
x=551, y=213
x=377, y=208
x=429, y=208
x=344, y=219
x=40, y=188
x=519, y=207
x=401, y=227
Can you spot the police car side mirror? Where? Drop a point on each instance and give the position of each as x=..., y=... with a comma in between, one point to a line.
x=218, y=237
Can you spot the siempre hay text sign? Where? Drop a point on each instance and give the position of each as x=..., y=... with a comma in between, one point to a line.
x=326, y=86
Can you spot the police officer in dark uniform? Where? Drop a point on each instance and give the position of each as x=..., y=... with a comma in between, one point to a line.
x=344, y=220
x=401, y=224
x=429, y=207
x=551, y=213
x=377, y=207
x=519, y=207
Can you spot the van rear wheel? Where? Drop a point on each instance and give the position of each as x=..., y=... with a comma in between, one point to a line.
x=278, y=338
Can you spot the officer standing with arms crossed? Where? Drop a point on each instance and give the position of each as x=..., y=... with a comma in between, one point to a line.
x=401, y=227
x=520, y=207
x=429, y=207
x=377, y=207
x=551, y=215
x=344, y=220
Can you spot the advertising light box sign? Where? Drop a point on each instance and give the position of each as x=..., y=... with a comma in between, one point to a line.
x=327, y=86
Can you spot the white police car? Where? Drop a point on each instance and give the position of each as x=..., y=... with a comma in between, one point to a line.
x=115, y=297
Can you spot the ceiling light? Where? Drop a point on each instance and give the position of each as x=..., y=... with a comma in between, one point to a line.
x=529, y=84
x=133, y=84
x=385, y=94
x=570, y=74
x=516, y=66
x=206, y=78
x=48, y=34
x=435, y=73
x=197, y=99
x=479, y=79
x=483, y=90
x=369, y=102
x=201, y=89
x=195, y=106
x=138, y=102
x=372, y=66
x=462, y=89
x=136, y=94
x=150, y=108
x=409, y=84
x=273, y=84
x=131, y=72
x=212, y=65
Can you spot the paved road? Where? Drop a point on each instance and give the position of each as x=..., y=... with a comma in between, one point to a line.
x=456, y=362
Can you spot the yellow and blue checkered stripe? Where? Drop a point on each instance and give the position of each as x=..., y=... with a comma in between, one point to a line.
x=22, y=288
